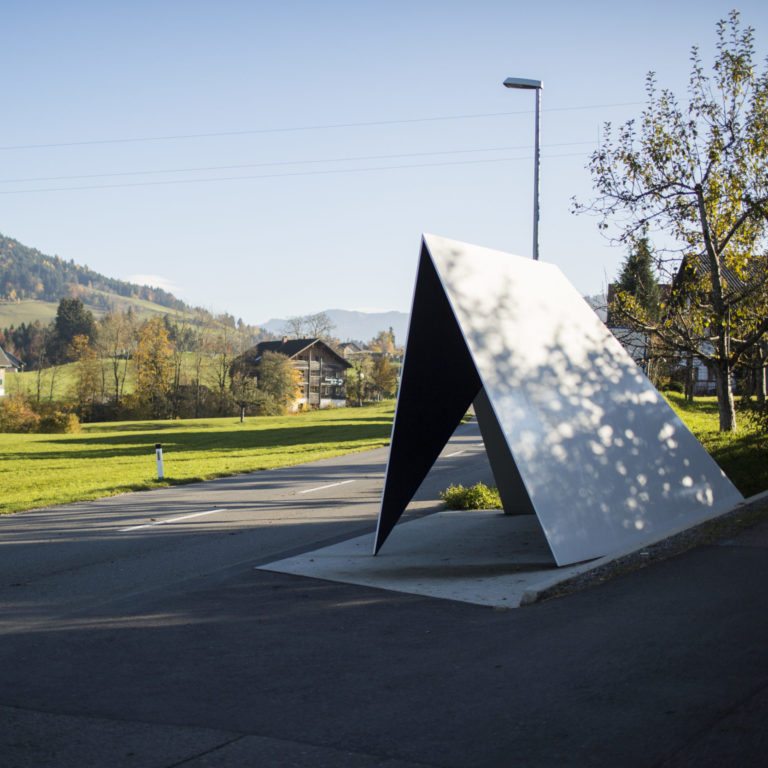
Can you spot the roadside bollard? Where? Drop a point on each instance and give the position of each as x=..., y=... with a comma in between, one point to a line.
x=159, y=456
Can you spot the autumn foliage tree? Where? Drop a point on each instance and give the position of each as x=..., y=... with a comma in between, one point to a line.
x=153, y=359
x=87, y=384
x=693, y=178
x=383, y=342
x=383, y=377
x=279, y=381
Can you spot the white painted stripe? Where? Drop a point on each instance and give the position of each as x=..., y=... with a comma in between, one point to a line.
x=170, y=520
x=330, y=485
x=455, y=453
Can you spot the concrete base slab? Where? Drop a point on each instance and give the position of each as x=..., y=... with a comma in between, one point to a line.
x=482, y=557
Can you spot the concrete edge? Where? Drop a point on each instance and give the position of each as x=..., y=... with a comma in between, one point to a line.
x=744, y=515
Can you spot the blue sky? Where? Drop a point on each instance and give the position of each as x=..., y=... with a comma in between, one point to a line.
x=282, y=214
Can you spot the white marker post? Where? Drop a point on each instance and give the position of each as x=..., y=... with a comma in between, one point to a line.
x=159, y=456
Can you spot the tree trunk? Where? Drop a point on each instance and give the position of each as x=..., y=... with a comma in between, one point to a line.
x=689, y=379
x=725, y=403
x=53, y=381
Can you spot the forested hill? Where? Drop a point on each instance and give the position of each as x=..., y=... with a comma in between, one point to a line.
x=25, y=273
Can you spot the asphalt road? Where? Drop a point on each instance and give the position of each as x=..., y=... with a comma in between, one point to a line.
x=162, y=645
x=66, y=558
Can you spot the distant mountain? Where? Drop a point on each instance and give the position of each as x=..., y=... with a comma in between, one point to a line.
x=28, y=274
x=363, y=326
x=359, y=326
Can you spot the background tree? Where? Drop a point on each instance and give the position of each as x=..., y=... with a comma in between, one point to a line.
x=279, y=380
x=696, y=179
x=72, y=319
x=359, y=379
x=317, y=326
x=116, y=341
x=154, y=366
x=42, y=373
x=87, y=382
x=245, y=391
x=182, y=339
x=636, y=294
x=320, y=326
x=296, y=327
x=383, y=342
x=637, y=285
x=222, y=346
x=197, y=344
x=383, y=377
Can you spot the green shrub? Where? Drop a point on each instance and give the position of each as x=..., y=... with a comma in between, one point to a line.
x=478, y=496
x=753, y=417
x=16, y=415
x=265, y=404
x=56, y=421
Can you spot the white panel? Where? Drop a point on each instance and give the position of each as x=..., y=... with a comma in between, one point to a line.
x=605, y=460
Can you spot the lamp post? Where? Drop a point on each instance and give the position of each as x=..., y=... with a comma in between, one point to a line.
x=524, y=84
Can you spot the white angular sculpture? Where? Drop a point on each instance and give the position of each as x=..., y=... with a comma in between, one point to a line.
x=574, y=431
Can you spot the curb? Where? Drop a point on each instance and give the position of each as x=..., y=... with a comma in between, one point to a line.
x=744, y=515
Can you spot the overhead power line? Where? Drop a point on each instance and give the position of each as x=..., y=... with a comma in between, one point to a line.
x=273, y=163
x=320, y=126
x=167, y=182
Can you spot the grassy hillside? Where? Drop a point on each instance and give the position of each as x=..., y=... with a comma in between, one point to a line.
x=107, y=459
x=26, y=273
x=14, y=313
x=142, y=307
x=63, y=378
x=32, y=284
x=57, y=382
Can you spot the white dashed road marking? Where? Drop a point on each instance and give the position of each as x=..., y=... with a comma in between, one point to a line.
x=170, y=520
x=330, y=485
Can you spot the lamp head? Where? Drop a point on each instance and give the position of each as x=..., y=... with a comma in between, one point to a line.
x=523, y=83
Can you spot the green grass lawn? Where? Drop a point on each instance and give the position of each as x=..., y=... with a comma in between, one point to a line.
x=58, y=380
x=111, y=458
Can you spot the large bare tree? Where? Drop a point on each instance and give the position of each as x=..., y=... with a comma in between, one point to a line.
x=317, y=326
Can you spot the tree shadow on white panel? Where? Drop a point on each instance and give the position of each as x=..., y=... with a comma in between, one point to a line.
x=574, y=431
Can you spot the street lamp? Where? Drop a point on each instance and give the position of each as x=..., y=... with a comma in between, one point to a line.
x=532, y=85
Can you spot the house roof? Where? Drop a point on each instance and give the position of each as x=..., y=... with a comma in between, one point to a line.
x=7, y=360
x=734, y=285
x=293, y=347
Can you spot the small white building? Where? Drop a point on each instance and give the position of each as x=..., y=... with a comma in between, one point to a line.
x=8, y=364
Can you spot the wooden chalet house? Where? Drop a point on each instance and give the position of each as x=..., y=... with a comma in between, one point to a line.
x=322, y=369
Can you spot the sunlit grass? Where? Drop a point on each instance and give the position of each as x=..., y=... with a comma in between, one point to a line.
x=741, y=455
x=110, y=458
